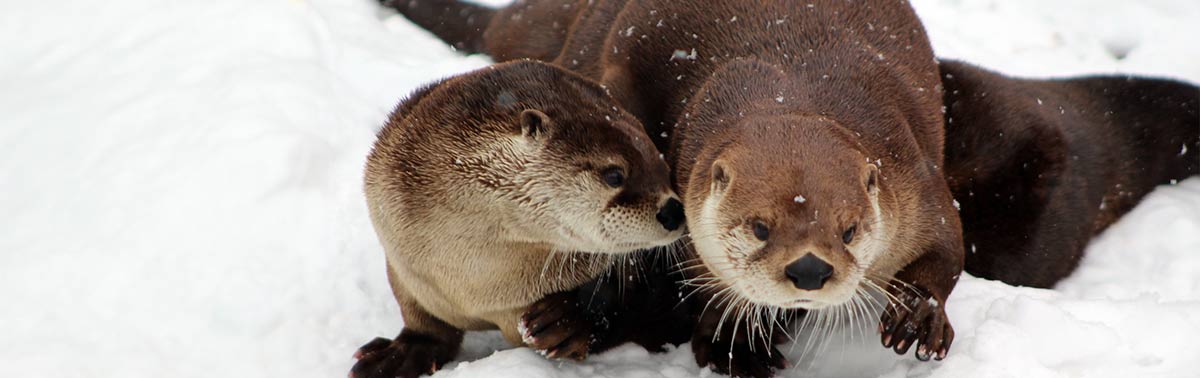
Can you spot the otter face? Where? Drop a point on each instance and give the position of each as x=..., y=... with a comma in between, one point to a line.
x=788, y=216
x=597, y=182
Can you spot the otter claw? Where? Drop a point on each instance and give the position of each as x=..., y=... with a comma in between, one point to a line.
x=375, y=346
x=916, y=321
x=557, y=328
x=923, y=353
x=410, y=355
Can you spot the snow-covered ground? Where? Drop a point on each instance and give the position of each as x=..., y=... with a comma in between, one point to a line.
x=180, y=190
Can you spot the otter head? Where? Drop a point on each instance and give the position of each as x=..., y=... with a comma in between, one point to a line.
x=787, y=212
x=589, y=178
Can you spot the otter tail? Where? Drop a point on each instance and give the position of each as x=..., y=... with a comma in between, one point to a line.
x=1161, y=119
x=458, y=23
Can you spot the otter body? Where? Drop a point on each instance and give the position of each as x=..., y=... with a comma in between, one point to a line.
x=1042, y=166
x=494, y=189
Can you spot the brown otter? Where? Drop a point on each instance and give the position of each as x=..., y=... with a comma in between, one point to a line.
x=807, y=143
x=1041, y=166
x=493, y=189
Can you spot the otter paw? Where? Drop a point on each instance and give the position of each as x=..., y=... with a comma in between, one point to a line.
x=738, y=360
x=916, y=320
x=409, y=356
x=557, y=327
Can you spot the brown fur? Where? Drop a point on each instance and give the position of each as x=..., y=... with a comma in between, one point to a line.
x=1041, y=166
x=787, y=99
x=790, y=101
x=482, y=185
x=859, y=83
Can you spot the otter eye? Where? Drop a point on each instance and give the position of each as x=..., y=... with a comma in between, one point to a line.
x=613, y=177
x=761, y=232
x=848, y=236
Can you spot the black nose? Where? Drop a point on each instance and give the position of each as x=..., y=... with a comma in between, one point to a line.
x=809, y=272
x=671, y=215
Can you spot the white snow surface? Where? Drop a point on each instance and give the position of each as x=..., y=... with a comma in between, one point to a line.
x=181, y=197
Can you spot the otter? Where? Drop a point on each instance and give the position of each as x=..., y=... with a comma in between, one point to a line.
x=806, y=141
x=1042, y=166
x=494, y=189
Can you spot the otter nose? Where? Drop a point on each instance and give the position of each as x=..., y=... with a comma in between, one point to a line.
x=671, y=215
x=809, y=272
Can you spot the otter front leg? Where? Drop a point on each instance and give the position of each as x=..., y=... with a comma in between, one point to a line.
x=722, y=341
x=558, y=326
x=425, y=344
x=411, y=354
x=916, y=314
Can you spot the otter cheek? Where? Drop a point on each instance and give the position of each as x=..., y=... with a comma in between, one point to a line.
x=713, y=255
x=705, y=234
x=633, y=227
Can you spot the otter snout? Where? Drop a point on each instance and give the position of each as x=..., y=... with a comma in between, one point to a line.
x=671, y=215
x=809, y=272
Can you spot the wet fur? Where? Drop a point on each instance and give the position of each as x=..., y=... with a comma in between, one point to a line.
x=1042, y=166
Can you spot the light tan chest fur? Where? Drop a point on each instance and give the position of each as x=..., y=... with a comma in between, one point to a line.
x=468, y=283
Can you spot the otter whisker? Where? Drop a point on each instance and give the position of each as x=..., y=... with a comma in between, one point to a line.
x=553, y=252
x=742, y=314
x=891, y=298
x=721, y=321
x=706, y=287
x=716, y=297
x=812, y=322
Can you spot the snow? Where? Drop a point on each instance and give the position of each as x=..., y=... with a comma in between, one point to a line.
x=181, y=197
x=683, y=55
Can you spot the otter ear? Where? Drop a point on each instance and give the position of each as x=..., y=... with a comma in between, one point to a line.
x=534, y=124
x=720, y=177
x=872, y=179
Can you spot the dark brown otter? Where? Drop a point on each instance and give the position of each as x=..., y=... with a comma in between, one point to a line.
x=1041, y=166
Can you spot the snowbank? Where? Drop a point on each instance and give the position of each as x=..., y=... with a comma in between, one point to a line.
x=181, y=197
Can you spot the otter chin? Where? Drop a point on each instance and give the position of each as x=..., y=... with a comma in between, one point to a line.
x=788, y=227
